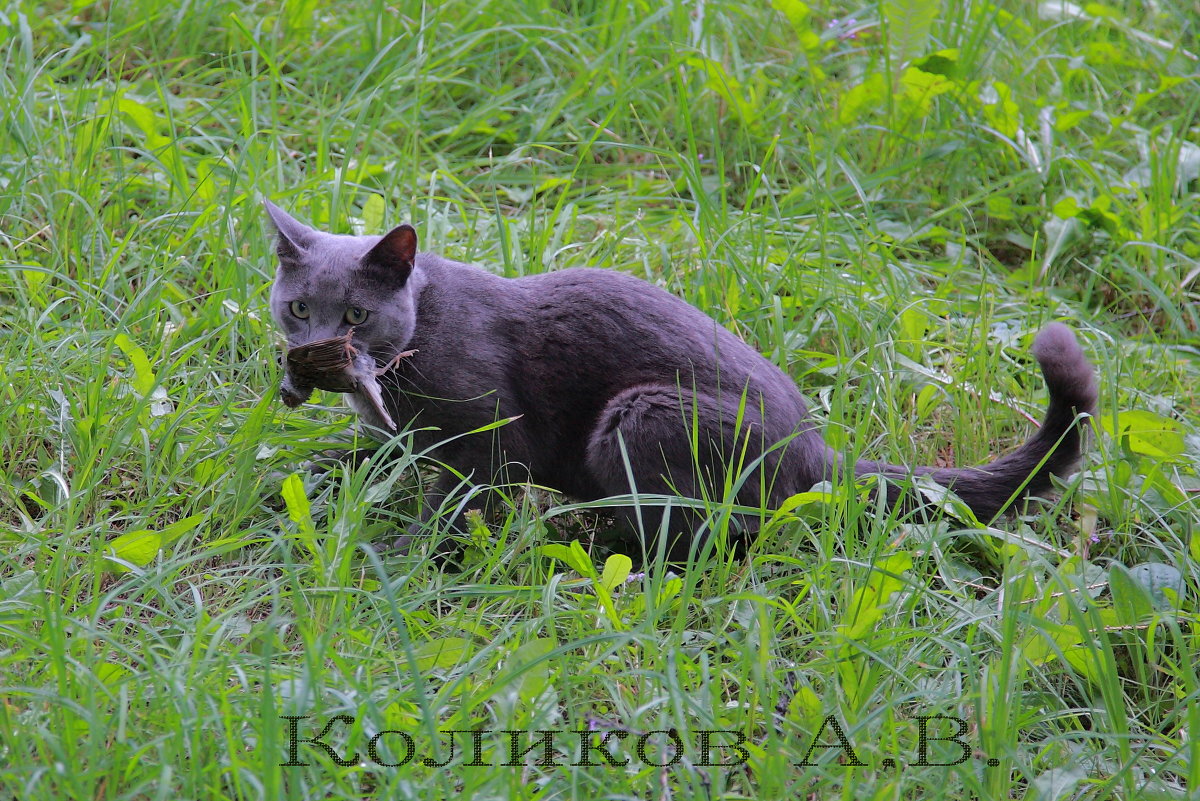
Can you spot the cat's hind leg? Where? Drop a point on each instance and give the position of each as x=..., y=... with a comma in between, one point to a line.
x=455, y=494
x=661, y=440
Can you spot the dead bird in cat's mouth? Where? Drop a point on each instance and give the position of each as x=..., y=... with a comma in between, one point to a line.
x=335, y=365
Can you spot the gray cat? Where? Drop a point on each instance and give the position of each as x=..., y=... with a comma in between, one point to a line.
x=611, y=385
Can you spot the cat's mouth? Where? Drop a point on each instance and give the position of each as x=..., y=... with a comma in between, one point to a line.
x=334, y=365
x=327, y=364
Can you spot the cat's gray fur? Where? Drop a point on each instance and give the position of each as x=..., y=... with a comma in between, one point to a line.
x=611, y=381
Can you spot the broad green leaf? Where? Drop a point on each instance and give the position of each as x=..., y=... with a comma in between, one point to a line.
x=1166, y=83
x=181, y=527
x=298, y=507
x=798, y=15
x=1054, y=640
x=806, y=709
x=798, y=505
x=1147, y=433
x=908, y=26
x=914, y=325
x=1158, y=480
x=1000, y=207
x=442, y=654
x=1099, y=214
x=1131, y=601
x=1067, y=120
x=616, y=569
x=1100, y=53
x=402, y=714
x=1102, y=11
x=804, y=499
x=999, y=110
x=529, y=667
x=557, y=551
x=143, y=374
x=796, y=12
x=573, y=556
x=140, y=547
x=35, y=279
x=739, y=100
x=137, y=547
x=580, y=557
x=112, y=674
x=206, y=179
x=141, y=115
x=943, y=62
x=552, y=182
x=927, y=400
x=1163, y=583
x=204, y=470
x=300, y=14
x=922, y=87
x=869, y=602
x=576, y=557
x=672, y=587
x=861, y=100
x=161, y=147
x=1066, y=208
x=373, y=212
x=1057, y=783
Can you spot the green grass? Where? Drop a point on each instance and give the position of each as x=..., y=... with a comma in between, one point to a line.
x=886, y=200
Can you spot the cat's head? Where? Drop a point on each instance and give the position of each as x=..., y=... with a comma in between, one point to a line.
x=327, y=284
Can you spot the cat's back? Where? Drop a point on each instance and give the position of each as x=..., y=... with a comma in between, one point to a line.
x=582, y=298
x=621, y=323
x=607, y=294
x=583, y=320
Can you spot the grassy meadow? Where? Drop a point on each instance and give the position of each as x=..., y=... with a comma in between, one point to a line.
x=887, y=200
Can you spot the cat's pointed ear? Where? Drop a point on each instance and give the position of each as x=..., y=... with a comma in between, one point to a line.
x=294, y=236
x=393, y=256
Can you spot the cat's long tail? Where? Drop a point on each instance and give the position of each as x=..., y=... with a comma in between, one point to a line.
x=1053, y=450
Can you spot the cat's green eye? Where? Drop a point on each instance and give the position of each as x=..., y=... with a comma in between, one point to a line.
x=299, y=309
x=356, y=316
